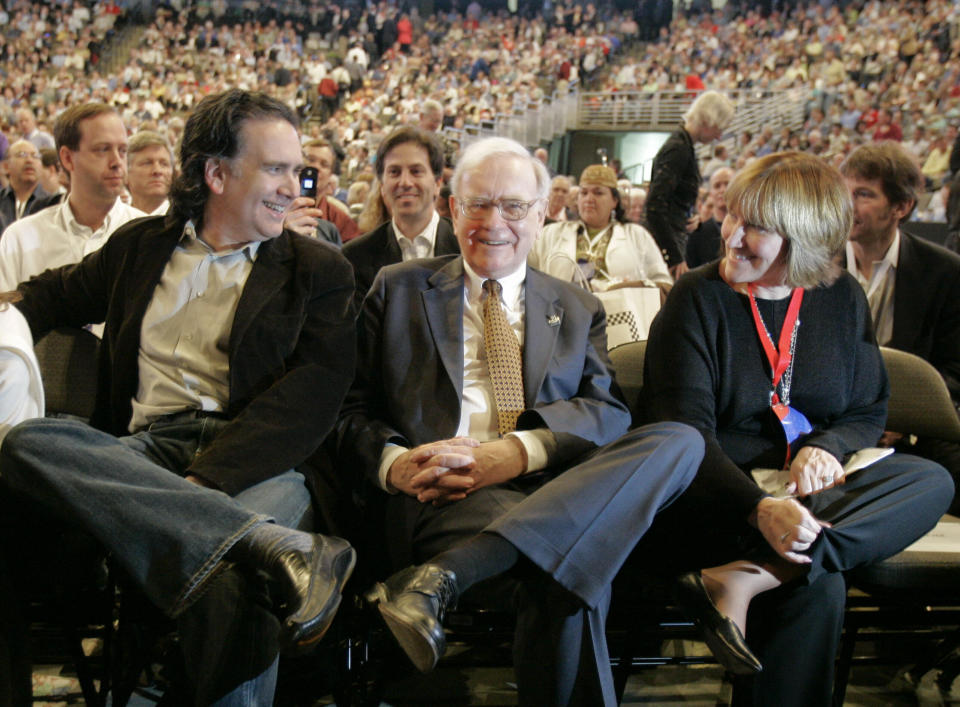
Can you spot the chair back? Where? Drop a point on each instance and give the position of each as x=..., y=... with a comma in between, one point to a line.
x=68, y=364
x=627, y=360
x=920, y=402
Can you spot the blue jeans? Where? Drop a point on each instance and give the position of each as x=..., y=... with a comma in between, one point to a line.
x=169, y=535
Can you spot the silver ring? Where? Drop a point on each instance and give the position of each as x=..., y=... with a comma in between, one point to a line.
x=784, y=536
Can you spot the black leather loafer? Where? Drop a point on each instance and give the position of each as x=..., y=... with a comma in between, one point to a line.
x=311, y=583
x=720, y=633
x=412, y=603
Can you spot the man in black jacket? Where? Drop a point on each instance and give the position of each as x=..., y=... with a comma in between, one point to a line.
x=409, y=165
x=913, y=286
x=227, y=350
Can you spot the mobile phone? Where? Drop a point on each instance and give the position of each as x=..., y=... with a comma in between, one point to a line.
x=308, y=182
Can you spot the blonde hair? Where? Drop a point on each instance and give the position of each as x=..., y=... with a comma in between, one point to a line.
x=803, y=199
x=374, y=210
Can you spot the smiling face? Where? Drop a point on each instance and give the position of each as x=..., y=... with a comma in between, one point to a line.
x=251, y=192
x=752, y=254
x=595, y=204
x=493, y=246
x=409, y=186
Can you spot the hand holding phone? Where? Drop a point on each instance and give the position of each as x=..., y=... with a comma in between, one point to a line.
x=308, y=182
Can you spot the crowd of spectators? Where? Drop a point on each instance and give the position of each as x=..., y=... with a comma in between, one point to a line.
x=868, y=70
x=358, y=71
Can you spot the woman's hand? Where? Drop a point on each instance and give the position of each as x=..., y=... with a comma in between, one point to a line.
x=788, y=527
x=814, y=469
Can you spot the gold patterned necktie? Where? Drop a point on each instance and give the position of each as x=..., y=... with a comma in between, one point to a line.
x=503, y=359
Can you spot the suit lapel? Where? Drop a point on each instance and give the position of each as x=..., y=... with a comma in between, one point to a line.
x=542, y=321
x=390, y=251
x=268, y=275
x=443, y=304
x=446, y=240
x=909, y=300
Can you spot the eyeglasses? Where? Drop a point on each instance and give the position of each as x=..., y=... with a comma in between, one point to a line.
x=23, y=155
x=510, y=209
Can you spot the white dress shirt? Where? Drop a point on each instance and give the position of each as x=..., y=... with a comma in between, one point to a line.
x=478, y=407
x=183, y=360
x=879, y=287
x=21, y=389
x=421, y=245
x=52, y=237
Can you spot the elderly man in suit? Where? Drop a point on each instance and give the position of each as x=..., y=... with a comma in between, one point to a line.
x=409, y=165
x=227, y=351
x=913, y=286
x=485, y=407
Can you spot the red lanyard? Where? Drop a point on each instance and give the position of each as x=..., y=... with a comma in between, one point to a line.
x=780, y=357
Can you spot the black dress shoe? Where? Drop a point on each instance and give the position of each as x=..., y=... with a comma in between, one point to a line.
x=720, y=633
x=412, y=603
x=311, y=583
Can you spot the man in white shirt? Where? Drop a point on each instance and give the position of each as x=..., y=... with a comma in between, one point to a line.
x=515, y=456
x=149, y=172
x=92, y=142
x=409, y=165
x=912, y=285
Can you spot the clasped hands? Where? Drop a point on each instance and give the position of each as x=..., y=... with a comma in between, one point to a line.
x=788, y=526
x=447, y=470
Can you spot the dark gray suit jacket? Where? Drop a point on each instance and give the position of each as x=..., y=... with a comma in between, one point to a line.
x=410, y=365
x=379, y=248
x=926, y=307
x=292, y=350
x=8, y=204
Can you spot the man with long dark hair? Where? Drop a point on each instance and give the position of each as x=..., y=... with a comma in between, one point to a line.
x=228, y=347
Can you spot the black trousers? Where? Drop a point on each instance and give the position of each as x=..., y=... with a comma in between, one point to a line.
x=795, y=630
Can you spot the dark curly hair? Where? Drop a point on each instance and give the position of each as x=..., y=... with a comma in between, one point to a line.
x=213, y=131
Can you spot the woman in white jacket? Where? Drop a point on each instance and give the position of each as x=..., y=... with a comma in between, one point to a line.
x=21, y=390
x=600, y=247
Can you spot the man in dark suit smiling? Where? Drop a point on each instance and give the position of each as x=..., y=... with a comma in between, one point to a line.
x=227, y=350
x=484, y=405
x=409, y=165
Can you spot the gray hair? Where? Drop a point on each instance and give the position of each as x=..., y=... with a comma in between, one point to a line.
x=711, y=109
x=479, y=151
x=431, y=105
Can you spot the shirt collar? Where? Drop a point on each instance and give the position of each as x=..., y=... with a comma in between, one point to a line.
x=430, y=232
x=189, y=240
x=890, y=259
x=511, y=285
x=70, y=224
